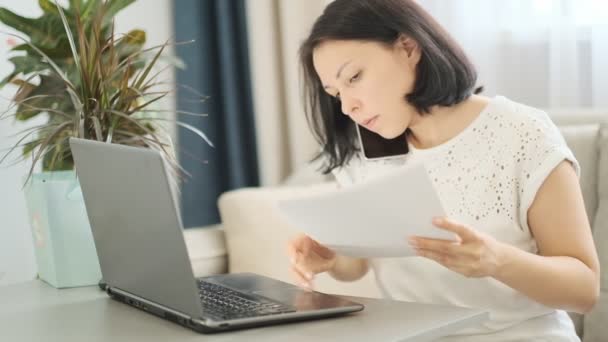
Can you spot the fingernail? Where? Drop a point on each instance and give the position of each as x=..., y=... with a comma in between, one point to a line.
x=309, y=276
x=293, y=260
x=437, y=220
x=412, y=242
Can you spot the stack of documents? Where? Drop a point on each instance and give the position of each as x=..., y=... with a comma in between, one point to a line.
x=371, y=219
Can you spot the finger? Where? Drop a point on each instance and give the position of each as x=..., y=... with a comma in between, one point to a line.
x=313, y=265
x=292, y=251
x=436, y=245
x=300, y=278
x=310, y=247
x=298, y=240
x=304, y=268
x=297, y=247
x=322, y=251
x=305, y=245
x=464, y=232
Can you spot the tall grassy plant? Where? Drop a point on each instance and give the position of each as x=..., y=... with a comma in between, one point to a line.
x=98, y=85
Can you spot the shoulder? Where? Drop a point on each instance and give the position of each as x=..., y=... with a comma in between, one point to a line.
x=525, y=125
x=521, y=116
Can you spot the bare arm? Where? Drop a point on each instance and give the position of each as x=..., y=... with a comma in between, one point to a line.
x=566, y=273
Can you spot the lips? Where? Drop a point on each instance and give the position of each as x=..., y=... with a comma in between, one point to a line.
x=369, y=122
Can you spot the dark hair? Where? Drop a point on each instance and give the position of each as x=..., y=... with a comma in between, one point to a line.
x=444, y=75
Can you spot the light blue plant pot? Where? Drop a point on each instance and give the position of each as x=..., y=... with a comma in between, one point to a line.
x=63, y=242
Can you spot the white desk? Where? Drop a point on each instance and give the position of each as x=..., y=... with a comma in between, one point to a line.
x=34, y=311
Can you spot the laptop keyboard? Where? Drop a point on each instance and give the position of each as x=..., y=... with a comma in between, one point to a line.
x=222, y=303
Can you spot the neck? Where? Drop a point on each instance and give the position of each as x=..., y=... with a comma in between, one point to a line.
x=444, y=123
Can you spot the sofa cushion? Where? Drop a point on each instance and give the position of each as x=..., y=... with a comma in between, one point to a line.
x=206, y=249
x=595, y=328
x=257, y=235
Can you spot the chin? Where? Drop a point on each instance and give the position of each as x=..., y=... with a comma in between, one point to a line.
x=390, y=133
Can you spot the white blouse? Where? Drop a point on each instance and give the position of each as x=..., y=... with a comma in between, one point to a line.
x=486, y=177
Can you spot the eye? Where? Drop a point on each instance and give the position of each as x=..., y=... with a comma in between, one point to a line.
x=355, y=77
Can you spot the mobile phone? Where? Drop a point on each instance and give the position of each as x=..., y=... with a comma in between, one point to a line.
x=375, y=146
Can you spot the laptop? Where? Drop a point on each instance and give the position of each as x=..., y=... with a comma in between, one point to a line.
x=144, y=262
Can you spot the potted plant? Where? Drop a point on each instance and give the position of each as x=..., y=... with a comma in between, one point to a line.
x=89, y=83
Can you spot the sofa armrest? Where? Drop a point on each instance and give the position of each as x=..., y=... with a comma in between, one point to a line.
x=257, y=236
x=207, y=250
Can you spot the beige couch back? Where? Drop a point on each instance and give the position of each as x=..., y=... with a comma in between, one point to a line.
x=256, y=235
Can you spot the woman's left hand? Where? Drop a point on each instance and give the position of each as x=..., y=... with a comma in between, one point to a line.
x=474, y=254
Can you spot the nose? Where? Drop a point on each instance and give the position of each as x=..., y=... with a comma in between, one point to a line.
x=350, y=106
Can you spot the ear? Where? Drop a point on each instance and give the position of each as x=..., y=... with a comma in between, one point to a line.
x=410, y=47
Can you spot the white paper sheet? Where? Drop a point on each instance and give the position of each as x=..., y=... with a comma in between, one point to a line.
x=371, y=219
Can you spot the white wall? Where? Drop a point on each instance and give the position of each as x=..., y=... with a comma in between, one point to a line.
x=17, y=261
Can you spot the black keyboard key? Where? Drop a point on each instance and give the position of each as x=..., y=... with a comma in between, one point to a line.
x=223, y=303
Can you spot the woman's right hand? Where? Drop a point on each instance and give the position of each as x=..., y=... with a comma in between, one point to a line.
x=308, y=258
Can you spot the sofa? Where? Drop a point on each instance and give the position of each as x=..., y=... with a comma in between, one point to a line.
x=252, y=236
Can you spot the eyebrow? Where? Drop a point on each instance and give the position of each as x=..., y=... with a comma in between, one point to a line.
x=339, y=71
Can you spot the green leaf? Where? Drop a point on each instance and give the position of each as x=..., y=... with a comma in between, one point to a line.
x=147, y=103
x=92, y=84
x=115, y=6
x=97, y=126
x=27, y=64
x=137, y=123
x=58, y=157
x=45, y=144
x=138, y=82
x=70, y=36
x=48, y=6
x=25, y=25
x=23, y=65
x=191, y=129
x=77, y=4
x=87, y=9
x=54, y=65
x=131, y=43
x=43, y=96
x=24, y=91
x=59, y=51
x=43, y=31
x=17, y=145
x=8, y=79
x=29, y=147
x=52, y=34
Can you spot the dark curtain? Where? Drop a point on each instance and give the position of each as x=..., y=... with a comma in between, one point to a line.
x=217, y=66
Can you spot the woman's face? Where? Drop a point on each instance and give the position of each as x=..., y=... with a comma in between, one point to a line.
x=371, y=81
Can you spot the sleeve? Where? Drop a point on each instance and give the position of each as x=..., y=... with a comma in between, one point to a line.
x=546, y=148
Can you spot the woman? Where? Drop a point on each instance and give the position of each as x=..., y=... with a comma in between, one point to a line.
x=503, y=172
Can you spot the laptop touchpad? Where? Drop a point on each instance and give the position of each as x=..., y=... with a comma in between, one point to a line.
x=304, y=300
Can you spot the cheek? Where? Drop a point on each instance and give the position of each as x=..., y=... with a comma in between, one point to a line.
x=395, y=90
x=386, y=92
